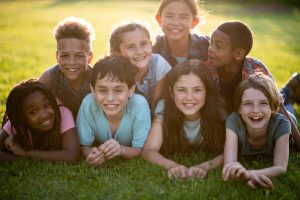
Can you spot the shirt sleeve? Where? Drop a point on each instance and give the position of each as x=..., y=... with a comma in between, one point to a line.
x=281, y=126
x=162, y=67
x=84, y=124
x=232, y=123
x=67, y=120
x=142, y=123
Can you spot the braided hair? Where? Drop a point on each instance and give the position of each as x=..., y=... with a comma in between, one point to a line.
x=25, y=135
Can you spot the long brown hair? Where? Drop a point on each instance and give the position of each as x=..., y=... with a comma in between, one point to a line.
x=25, y=135
x=212, y=114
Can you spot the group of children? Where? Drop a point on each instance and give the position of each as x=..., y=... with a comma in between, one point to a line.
x=185, y=93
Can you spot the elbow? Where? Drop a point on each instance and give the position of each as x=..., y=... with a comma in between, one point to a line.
x=73, y=157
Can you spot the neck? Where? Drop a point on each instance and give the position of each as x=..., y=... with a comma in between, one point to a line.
x=228, y=72
x=257, y=138
x=76, y=84
x=184, y=45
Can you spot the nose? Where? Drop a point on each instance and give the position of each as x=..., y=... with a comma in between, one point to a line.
x=44, y=114
x=110, y=96
x=72, y=60
x=189, y=95
x=255, y=108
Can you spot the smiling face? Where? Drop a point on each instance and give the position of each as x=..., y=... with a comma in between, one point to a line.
x=38, y=111
x=176, y=20
x=137, y=47
x=73, y=56
x=255, y=110
x=220, y=50
x=112, y=96
x=189, y=94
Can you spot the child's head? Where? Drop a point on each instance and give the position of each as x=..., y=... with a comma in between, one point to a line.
x=112, y=83
x=74, y=46
x=132, y=40
x=192, y=95
x=32, y=109
x=256, y=98
x=177, y=17
x=230, y=42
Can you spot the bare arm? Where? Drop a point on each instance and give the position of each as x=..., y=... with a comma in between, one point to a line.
x=211, y=164
x=153, y=145
x=280, y=162
x=4, y=155
x=231, y=147
x=69, y=151
x=157, y=93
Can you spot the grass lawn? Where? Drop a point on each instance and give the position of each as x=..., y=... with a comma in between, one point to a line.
x=27, y=49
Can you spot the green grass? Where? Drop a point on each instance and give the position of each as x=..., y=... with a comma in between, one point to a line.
x=27, y=49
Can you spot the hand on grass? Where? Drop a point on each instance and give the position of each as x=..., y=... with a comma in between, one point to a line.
x=260, y=181
x=14, y=146
x=111, y=148
x=95, y=157
x=234, y=170
x=197, y=172
x=178, y=171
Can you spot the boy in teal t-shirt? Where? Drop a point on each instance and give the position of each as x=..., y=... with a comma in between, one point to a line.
x=112, y=115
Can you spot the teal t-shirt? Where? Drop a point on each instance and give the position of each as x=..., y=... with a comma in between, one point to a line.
x=92, y=123
x=279, y=125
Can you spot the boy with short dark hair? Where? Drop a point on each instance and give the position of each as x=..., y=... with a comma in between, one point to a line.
x=112, y=116
x=69, y=79
x=227, y=53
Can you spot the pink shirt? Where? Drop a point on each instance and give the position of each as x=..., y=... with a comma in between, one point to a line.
x=67, y=121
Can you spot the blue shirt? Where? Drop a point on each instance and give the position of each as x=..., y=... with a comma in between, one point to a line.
x=92, y=123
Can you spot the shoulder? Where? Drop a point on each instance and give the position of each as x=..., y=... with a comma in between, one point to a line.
x=234, y=122
x=159, y=43
x=157, y=61
x=279, y=125
x=89, y=102
x=137, y=103
x=257, y=65
x=199, y=39
x=47, y=75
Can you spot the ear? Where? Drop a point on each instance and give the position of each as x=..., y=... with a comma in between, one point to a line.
x=158, y=18
x=195, y=22
x=92, y=89
x=90, y=58
x=131, y=90
x=239, y=54
x=56, y=55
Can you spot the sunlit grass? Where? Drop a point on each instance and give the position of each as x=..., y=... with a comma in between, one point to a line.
x=27, y=48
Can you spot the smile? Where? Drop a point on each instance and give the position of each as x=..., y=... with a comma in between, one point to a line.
x=256, y=118
x=139, y=58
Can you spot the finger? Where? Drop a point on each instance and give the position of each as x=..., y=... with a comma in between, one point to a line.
x=183, y=173
x=259, y=181
x=267, y=181
x=109, y=146
x=112, y=153
x=251, y=184
x=227, y=171
x=96, y=162
x=240, y=172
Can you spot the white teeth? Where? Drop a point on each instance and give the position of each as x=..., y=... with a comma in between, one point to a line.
x=139, y=58
x=175, y=30
x=188, y=104
x=256, y=118
x=46, y=123
x=111, y=105
x=72, y=69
